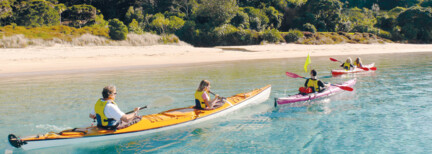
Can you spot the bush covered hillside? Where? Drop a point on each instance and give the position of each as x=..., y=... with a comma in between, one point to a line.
x=223, y=22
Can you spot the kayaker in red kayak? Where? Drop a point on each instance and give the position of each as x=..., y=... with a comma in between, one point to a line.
x=107, y=113
x=347, y=65
x=202, y=98
x=312, y=84
x=358, y=63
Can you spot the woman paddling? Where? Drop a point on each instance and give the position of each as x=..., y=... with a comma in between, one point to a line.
x=312, y=84
x=202, y=98
x=347, y=65
x=358, y=63
x=107, y=113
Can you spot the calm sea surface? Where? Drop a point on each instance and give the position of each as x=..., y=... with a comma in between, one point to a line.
x=389, y=111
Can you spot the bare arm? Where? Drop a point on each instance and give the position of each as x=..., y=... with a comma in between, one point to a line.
x=129, y=117
x=211, y=102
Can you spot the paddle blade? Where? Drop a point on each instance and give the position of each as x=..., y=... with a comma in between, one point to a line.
x=364, y=68
x=332, y=59
x=373, y=68
x=293, y=75
x=346, y=88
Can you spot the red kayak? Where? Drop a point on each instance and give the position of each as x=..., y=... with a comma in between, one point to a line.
x=365, y=68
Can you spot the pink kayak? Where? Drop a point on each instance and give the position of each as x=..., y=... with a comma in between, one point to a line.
x=331, y=90
x=369, y=67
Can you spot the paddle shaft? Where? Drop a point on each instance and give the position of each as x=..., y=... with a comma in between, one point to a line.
x=212, y=93
x=222, y=98
x=139, y=109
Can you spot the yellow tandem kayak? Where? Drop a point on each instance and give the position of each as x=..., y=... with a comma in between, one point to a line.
x=149, y=123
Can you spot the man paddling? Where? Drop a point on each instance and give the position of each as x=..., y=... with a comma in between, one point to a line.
x=107, y=113
x=312, y=84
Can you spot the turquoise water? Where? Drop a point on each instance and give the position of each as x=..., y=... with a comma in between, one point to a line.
x=388, y=112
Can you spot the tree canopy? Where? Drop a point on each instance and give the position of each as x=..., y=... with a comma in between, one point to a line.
x=216, y=22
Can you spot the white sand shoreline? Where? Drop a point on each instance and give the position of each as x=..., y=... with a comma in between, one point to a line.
x=63, y=59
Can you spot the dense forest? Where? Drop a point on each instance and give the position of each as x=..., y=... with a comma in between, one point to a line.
x=223, y=22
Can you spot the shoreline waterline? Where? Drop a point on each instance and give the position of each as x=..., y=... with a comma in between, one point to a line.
x=34, y=61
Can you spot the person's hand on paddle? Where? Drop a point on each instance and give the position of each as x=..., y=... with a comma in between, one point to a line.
x=92, y=116
x=135, y=111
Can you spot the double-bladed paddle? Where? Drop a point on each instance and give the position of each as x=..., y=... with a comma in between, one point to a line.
x=223, y=98
x=293, y=75
x=138, y=109
x=364, y=68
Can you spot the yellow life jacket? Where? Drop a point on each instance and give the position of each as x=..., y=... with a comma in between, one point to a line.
x=100, y=114
x=347, y=66
x=199, y=101
x=313, y=84
x=357, y=64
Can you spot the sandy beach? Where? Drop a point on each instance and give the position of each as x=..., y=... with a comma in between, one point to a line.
x=38, y=60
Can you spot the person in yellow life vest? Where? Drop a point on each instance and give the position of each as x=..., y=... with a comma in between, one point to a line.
x=358, y=63
x=347, y=65
x=202, y=98
x=107, y=113
x=312, y=84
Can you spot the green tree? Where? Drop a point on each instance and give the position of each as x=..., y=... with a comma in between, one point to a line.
x=37, y=13
x=275, y=18
x=272, y=36
x=362, y=20
x=134, y=27
x=5, y=12
x=188, y=32
x=426, y=3
x=80, y=15
x=383, y=4
x=160, y=23
x=324, y=14
x=117, y=30
x=293, y=35
x=395, y=11
x=215, y=12
x=60, y=9
x=185, y=7
x=388, y=21
x=241, y=20
x=416, y=24
x=390, y=4
x=309, y=28
x=258, y=19
x=100, y=22
x=136, y=14
x=175, y=23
